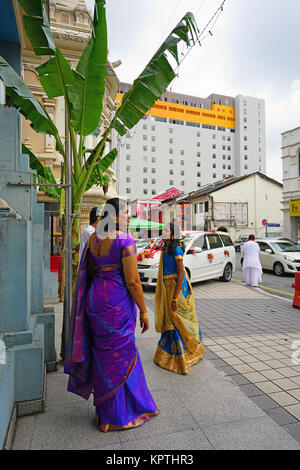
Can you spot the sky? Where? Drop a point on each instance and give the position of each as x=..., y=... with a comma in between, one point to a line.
x=252, y=52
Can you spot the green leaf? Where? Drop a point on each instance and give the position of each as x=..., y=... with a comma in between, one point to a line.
x=155, y=78
x=87, y=93
x=37, y=27
x=44, y=174
x=56, y=75
x=102, y=166
x=21, y=98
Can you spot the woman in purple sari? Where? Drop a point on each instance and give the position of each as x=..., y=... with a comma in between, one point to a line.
x=101, y=355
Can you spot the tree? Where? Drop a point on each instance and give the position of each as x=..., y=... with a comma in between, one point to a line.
x=83, y=91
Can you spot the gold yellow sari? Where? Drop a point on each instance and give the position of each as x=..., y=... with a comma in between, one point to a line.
x=181, y=344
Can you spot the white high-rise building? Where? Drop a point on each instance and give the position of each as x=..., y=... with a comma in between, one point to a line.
x=188, y=142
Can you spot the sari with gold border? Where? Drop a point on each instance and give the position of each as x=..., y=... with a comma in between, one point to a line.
x=181, y=344
x=102, y=357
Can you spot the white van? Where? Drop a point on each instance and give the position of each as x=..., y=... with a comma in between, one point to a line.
x=208, y=255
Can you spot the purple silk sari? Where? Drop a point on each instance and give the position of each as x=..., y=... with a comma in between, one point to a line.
x=101, y=355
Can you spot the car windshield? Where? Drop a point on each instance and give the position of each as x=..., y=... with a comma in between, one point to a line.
x=284, y=246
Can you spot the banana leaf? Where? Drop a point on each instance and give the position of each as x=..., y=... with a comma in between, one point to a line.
x=87, y=93
x=56, y=75
x=44, y=175
x=155, y=78
x=37, y=26
x=102, y=165
x=21, y=98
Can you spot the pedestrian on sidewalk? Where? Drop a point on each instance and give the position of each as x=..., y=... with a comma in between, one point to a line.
x=102, y=356
x=89, y=230
x=180, y=345
x=251, y=263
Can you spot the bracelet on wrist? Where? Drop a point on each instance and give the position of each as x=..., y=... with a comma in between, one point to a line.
x=144, y=315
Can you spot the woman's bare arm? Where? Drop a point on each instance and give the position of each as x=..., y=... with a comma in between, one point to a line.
x=133, y=283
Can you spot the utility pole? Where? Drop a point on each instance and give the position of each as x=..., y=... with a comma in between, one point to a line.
x=68, y=239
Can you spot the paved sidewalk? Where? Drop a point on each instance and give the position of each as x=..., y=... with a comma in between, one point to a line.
x=206, y=409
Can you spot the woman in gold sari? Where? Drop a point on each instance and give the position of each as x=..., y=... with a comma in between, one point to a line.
x=180, y=345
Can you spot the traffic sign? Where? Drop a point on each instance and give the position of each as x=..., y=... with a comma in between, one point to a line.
x=264, y=221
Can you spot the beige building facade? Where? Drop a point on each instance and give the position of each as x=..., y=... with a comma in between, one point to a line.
x=70, y=26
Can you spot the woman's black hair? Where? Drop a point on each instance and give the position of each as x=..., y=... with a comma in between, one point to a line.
x=177, y=240
x=111, y=210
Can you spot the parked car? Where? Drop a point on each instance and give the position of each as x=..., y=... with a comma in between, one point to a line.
x=242, y=239
x=208, y=255
x=279, y=256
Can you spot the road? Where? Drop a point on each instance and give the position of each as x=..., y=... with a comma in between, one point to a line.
x=273, y=284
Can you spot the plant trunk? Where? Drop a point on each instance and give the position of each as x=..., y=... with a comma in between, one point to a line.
x=75, y=243
x=62, y=264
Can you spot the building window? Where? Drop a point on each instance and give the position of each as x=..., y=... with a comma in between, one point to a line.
x=170, y=130
x=170, y=141
x=128, y=190
x=229, y=167
x=153, y=192
x=198, y=154
x=224, y=157
x=245, y=147
x=181, y=152
x=171, y=182
x=214, y=136
x=128, y=179
x=153, y=138
x=153, y=170
x=229, y=157
x=152, y=128
x=198, y=134
x=229, y=139
x=171, y=161
x=144, y=126
x=171, y=172
x=153, y=149
x=214, y=175
x=199, y=185
x=153, y=159
x=145, y=180
x=245, y=119
x=245, y=137
x=224, y=167
x=144, y=137
x=198, y=174
x=245, y=157
x=182, y=183
x=198, y=164
x=145, y=169
x=223, y=137
x=214, y=155
x=224, y=176
x=181, y=162
x=182, y=172
x=229, y=148
x=153, y=181
x=145, y=148
x=214, y=146
x=214, y=165
x=198, y=144
x=206, y=206
x=127, y=157
x=246, y=167
x=128, y=168
x=127, y=146
x=171, y=151
x=127, y=135
x=145, y=191
x=223, y=147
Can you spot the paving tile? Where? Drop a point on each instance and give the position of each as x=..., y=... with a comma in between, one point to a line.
x=272, y=374
x=296, y=380
x=250, y=390
x=286, y=384
x=283, y=398
x=262, y=357
x=264, y=402
x=243, y=368
x=249, y=359
x=225, y=354
x=288, y=372
x=259, y=366
x=239, y=380
x=295, y=393
x=184, y=440
x=277, y=355
x=233, y=361
x=268, y=387
x=293, y=430
x=274, y=363
x=252, y=434
x=227, y=370
x=255, y=377
x=281, y=416
x=294, y=410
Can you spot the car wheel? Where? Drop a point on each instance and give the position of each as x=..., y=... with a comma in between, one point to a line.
x=278, y=269
x=227, y=273
x=188, y=272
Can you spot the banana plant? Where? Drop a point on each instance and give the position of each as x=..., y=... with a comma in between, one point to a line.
x=83, y=91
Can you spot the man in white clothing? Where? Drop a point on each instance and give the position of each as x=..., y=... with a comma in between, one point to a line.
x=251, y=263
x=89, y=230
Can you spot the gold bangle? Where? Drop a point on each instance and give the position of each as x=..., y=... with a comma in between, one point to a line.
x=144, y=315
